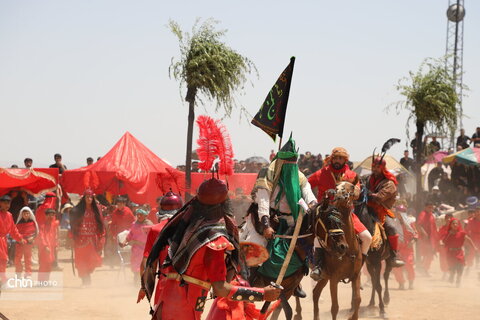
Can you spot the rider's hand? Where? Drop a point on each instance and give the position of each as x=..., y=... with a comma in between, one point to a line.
x=141, y=295
x=271, y=293
x=268, y=233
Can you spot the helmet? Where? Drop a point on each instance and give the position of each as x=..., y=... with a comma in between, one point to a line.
x=171, y=201
x=212, y=191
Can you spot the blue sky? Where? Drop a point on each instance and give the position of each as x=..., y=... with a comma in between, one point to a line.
x=75, y=75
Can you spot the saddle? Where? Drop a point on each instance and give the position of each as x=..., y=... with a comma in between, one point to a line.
x=378, y=236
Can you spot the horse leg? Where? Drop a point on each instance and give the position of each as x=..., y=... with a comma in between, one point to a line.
x=356, y=298
x=378, y=288
x=386, y=276
x=298, y=309
x=317, y=291
x=334, y=296
x=276, y=312
x=286, y=307
x=371, y=272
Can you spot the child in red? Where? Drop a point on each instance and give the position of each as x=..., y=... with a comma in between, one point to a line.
x=410, y=236
x=27, y=226
x=442, y=232
x=454, y=241
x=47, y=242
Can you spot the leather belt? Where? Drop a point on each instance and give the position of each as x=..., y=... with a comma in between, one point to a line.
x=178, y=277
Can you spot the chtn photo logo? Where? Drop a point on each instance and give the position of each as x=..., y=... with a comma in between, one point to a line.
x=17, y=282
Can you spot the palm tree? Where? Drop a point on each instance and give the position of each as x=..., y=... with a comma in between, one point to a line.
x=207, y=67
x=431, y=100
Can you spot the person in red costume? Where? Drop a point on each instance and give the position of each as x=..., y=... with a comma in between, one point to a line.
x=428, y=241
x=454, y=241
x=168, y=206
x=88, y=236
x=410, y=236
x=122, y=218
x=335, y=171
x=203, y=254
x=473, y=230
x=7, y=226
x=442, y=251
x=382, y=193
x=47, y=243
x=28, y=228
x=50, y=202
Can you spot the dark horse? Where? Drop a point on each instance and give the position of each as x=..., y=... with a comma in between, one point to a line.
x=379, y=251
x=343, y=258
x=304, y=243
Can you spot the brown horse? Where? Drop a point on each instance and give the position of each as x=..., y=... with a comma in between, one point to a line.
x=343, y=258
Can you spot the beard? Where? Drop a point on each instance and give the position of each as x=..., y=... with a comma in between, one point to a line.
x=337, y=166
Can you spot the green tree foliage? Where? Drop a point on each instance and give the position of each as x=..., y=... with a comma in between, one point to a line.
x=430, y=95
x=208, y=68
x=431, y=100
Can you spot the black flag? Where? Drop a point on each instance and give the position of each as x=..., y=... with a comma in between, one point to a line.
x=271, y=116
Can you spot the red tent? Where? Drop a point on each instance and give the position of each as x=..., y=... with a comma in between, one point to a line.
x=128, y=168
x=34, y=181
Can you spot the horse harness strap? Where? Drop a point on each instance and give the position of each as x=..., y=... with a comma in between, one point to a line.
x=328, y=232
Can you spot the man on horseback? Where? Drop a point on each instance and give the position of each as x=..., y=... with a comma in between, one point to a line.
x=382, y=192
x=275, y=210
x=336, y=171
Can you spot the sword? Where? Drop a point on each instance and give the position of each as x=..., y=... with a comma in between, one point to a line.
x=291, y=249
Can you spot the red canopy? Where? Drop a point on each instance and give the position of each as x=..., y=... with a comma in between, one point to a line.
x=128, y=168
x=30, y=180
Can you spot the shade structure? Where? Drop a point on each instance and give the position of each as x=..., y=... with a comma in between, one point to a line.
x=365, y=167
x=128, y=168
x=34, y=181
x=469, y=156
x=437, y=156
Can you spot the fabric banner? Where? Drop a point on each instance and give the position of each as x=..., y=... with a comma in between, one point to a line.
x=271, y=116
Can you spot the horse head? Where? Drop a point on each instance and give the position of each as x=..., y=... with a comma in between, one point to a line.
x=344, y=195
x=329, y=230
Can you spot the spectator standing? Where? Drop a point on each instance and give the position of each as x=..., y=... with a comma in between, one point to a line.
x=406, y=161
x=435, y=174
x=47, y=245
x=58, y=163
x=463, y=140
x=28, y=162
x=28, y=228
x=272, y=155
x=476, y=137
x=434, y=145
x=89, y=161
x=7, y=226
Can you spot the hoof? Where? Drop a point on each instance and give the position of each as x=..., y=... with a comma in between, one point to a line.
x=386, y=300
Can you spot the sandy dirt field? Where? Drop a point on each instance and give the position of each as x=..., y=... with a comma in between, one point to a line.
x=112, y=296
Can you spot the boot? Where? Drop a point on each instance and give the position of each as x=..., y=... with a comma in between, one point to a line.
x=410, y=285
x=317, y=273
x=298, y=292
x=396, y=262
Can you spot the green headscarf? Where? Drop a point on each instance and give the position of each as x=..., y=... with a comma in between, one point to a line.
x=289, y=182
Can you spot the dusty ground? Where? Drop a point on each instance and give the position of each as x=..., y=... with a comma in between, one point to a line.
x=112, y=296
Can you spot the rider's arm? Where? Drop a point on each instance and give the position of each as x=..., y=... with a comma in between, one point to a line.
x=262, y=198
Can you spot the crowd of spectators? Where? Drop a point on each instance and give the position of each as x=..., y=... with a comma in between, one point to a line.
x=449, y=185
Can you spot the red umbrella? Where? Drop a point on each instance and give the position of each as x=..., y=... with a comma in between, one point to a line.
x=30, y=180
